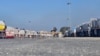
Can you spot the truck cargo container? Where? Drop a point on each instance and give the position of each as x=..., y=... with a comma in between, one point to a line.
x=98, y=23
x=85, y=28
x=69, y=33
x=9, y=34
x=93, y=23
x=30, y=34
x=79, y=32
x=95, y=27
x=21, y=33
x=93, y=32
x=98, y=32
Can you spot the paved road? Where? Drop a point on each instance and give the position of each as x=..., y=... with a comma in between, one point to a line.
x=50, y=47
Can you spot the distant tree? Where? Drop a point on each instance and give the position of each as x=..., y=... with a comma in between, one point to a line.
x=63, y=29
x=23, y=28
x=54, y=29
x=16, y=27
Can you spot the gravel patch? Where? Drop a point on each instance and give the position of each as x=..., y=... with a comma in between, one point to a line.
x=50, y=47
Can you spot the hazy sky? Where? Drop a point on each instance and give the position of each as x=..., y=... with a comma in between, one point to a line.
x=46, y=14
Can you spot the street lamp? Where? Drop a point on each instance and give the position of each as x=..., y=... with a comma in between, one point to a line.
x=29, y=25
x=69, y=13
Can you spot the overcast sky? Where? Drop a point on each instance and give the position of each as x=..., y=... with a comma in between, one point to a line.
x=46, y=14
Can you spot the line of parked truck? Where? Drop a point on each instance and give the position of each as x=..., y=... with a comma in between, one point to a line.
x=11, y=32
x=4, y=32
x=88, y=29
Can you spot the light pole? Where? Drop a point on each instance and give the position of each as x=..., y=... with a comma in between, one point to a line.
x=69, y=13
x=29, y=25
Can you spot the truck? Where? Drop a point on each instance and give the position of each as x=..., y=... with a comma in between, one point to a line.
x=11, y=32
x=10, y=35
x=2, y=29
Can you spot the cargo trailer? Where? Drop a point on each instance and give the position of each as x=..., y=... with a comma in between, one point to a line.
x=95, y=27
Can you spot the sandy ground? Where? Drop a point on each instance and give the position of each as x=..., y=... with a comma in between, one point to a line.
x=50, y=47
